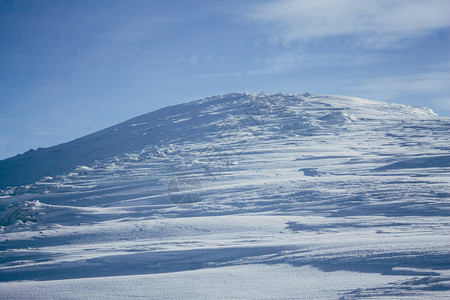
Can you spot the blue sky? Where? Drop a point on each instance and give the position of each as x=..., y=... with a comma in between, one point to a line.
x=70, y=68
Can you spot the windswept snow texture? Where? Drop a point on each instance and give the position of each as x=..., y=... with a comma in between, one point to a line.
x=236, y=196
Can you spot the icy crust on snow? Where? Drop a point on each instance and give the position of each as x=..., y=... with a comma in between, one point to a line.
x=342, y=190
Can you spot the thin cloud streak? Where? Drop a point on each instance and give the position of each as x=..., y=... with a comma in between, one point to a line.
x=372, y=23
x=426, y=88
x=293, y=61
x=423, y=83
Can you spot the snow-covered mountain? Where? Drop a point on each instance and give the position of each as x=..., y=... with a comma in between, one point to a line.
x=272, y=194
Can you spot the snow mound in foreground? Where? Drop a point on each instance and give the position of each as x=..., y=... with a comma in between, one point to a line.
x=19, y=213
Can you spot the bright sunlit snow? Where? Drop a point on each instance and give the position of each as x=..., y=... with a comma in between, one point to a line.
x=236, y=196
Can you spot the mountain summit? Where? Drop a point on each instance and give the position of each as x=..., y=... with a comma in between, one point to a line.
x=205, y=120
x=271, y=194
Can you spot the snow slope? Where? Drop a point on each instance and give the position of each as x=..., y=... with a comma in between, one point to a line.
x=235, y=196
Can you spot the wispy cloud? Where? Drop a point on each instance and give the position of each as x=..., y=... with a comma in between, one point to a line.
x=294, y=61
x=371, y=23
x=422, y=83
